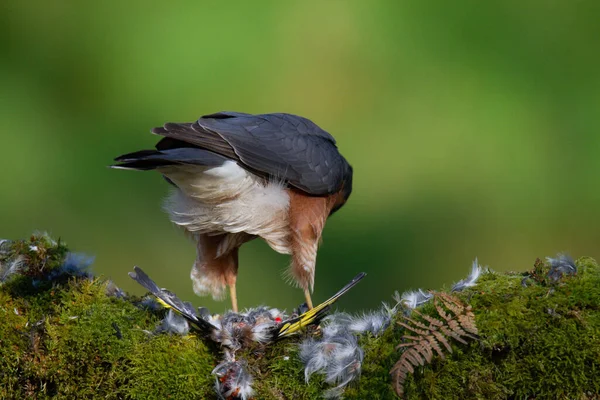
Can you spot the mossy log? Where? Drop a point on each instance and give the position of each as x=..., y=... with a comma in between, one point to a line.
x=65, y=334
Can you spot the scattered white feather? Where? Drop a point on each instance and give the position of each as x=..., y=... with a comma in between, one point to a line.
x=373, y=322
x=174, y=323
x=113, y=290
x=471, y=280
x=562, y=264
x=233, y=381
x=5, y=247
x=335, y=324
x=46, y=237
x=336, y=355
x=315, y=355
x=412, y=299
x=262, y=332
x=13, y=267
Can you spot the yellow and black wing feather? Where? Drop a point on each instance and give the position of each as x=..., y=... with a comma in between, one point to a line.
x=170, y=300
x=314, y=316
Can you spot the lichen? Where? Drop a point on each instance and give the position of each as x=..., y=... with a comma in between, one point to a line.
x=69, y=336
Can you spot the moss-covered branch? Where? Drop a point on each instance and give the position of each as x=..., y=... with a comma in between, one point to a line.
x=66, y=334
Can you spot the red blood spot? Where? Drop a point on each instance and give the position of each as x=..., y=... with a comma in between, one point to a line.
x=278, y=320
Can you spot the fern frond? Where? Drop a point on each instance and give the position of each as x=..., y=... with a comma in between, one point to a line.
x=432, y=321
x=455, y=326
x=454, y=320
x=467, y=321
x=424, y=348
x=443, y=340
x=441, y=312
x=451, y=303
x=423, y=331
x=436, y=346
x=449, y=332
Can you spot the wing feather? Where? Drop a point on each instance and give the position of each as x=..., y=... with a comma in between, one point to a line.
x=276, y=146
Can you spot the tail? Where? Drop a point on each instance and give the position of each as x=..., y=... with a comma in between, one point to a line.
x=170, y=300
x=314, y=316
x=144, y=160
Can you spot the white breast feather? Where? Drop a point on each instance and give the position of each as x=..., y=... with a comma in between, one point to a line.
x=228, y=199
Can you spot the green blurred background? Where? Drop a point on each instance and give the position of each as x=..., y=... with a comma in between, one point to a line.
x=473, y=129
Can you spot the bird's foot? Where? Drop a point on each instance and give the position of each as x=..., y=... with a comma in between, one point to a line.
x=308, y=299
x=233, y=295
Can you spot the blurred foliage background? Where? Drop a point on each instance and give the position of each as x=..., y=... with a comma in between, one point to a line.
x=473, y=129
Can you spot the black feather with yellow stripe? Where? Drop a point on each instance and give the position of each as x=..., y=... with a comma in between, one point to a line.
x=314, y=316
x=170, y=300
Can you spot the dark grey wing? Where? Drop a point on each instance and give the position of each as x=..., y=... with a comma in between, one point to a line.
x=277, y=146
x=179, y=135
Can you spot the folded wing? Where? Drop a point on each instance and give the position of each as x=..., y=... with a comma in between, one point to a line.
x=276, y=146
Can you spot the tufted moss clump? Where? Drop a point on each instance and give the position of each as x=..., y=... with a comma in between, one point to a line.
x=68, y=337
x=67, y=334
x=538, y=338
x=279, y=373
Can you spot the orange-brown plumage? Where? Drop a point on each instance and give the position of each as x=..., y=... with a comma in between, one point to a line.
x=307, y=217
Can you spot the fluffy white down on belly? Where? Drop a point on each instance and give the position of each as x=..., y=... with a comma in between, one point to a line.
x=228, y=199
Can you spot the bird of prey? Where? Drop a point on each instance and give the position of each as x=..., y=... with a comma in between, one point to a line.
x=240, y=176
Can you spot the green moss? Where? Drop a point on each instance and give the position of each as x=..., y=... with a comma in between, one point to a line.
x=13, y=345
x=279, y=374
x=70, y=340
x=169, y=367
x=536, y=341
x=67, y=338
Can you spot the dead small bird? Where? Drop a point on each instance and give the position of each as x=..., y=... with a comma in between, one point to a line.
x=241, y=176
x=236, y=330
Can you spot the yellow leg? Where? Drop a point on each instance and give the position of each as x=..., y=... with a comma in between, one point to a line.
x=308, y=299
x=233, y=295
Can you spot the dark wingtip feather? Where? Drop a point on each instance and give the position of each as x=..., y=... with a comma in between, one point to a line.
x=159, y=130
x=150, y=159
x=143, y=279
x=140, y=165
x=138, y=160
x=136, y=155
